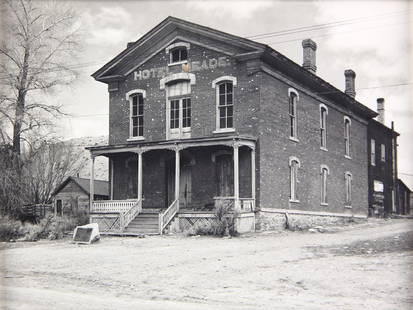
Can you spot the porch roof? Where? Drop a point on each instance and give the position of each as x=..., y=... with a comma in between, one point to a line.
x=142, y=146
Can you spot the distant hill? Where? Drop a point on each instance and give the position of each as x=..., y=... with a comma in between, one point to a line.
x=101, y=162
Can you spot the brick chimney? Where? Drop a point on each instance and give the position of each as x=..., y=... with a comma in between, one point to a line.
x=309, y=49
x=350, y=82
x=380, y=110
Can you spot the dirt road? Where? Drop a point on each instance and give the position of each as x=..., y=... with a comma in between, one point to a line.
x=365, y=266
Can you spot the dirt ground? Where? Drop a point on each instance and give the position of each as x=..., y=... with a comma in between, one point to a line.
x=363, y=266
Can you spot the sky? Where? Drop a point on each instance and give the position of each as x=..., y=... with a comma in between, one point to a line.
x=370, y=37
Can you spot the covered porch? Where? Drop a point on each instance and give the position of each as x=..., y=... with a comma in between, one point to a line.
x=168, y=177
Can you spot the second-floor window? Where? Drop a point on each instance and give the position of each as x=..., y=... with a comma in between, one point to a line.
x=347, y=125
x=224, y=94
x=383, y=153
x=179, y=105
x=136, y=98
x=373, y=152
x=323, y=126
x=137, y=115
x=292, y=102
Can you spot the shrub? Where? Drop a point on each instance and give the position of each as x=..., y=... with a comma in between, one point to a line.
x=11, y=229
x=223, y=223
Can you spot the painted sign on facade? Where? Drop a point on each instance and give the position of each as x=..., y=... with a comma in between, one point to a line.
x=192, y=66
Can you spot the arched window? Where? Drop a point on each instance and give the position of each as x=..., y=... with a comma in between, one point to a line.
x=292, y=103
x=324, y=173
x=178, y=53
x=348, y=178
x=224, y=102
x=294, y=165
x=136, y=111
x=347, y=124
x=323, y=126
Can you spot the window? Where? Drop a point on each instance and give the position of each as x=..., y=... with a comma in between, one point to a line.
x=292, y=102
x=294, y=165
x=348, y=178
x=137, y=115
x=179, y=110
x=347, y=124
x=136, y=102
x=383, y=153
x=323, y=126
x=224, y=90
x=179, y=54
x=373, y=152
x=225, y=105
x=324, y=174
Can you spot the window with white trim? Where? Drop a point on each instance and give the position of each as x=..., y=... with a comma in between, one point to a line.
x=136, y=99
x=347, y=125
x=179, y=106
x=178, y=53
x=383, y=153
x=292, y=103
x=324, y=174
x=225, y=105
x=323, y=126
x=294, y=165
x=349, y=179
x=373, y=152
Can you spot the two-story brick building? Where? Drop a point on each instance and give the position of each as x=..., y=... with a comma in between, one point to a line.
x=382, y=150
x=198, y=116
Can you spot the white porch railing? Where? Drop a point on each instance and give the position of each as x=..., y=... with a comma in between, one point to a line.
x=247, y=204
x=166, y=216
x=244, y=205
x=112, y=206
x=128, y=216
x=114, y=215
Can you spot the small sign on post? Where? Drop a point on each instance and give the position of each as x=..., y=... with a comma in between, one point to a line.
x=86, y=234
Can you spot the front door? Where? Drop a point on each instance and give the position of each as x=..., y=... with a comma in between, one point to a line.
x=225, y=175
x=185, y=183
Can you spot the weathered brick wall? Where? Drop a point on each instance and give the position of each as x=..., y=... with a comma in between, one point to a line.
x=276, y=148
x=202, y=99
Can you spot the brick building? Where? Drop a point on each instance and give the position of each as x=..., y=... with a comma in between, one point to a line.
x=198, y=116
x=382, y=150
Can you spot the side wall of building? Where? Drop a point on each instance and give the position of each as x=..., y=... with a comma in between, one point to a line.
x=276, y=148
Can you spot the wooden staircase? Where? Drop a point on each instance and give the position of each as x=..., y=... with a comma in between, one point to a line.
x=146, y=223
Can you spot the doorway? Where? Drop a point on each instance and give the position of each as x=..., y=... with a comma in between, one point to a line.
x=185, y=183
x=225, y=175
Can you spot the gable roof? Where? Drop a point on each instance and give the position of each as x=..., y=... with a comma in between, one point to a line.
x=247, y=49
x=101, y=187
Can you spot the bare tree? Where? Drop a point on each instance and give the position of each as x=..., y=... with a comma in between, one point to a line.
x=48, y=166
x=41, y=40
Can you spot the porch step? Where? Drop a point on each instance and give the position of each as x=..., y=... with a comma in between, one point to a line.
x=144, y=223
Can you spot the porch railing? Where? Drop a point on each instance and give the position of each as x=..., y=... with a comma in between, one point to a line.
x=128, y=216
x=245, y=204
x=167, y=216
x=112, y=206
x=114, y=215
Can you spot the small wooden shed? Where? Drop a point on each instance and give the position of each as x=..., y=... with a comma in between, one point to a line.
x=72, y=196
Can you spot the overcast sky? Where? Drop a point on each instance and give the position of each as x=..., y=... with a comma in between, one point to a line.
x=372, y=38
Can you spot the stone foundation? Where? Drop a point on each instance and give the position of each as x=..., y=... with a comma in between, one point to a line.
x=280, y=219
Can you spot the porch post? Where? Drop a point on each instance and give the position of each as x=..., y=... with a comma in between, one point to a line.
x=236, y=176
x=92, y=182
x=177, y=172
x=111, y=178
x=253, y=173
x=140, y=175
